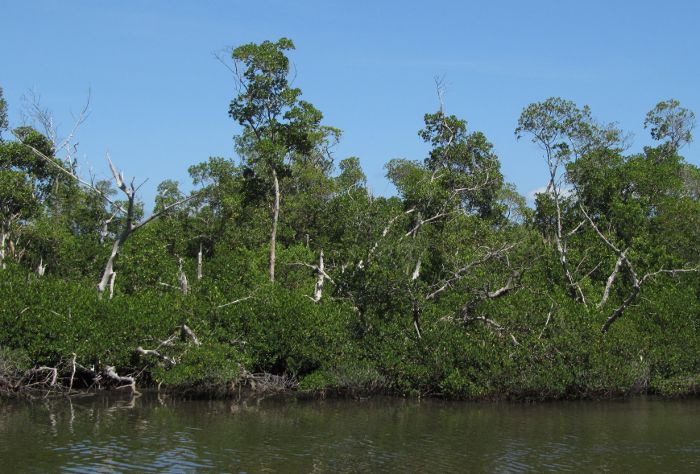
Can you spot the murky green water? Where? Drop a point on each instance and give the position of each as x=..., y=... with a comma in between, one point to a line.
x=101, y=434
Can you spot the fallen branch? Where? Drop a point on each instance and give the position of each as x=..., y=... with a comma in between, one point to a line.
x=546, y=323
x=265, y=382
x=239, y=300
x=187, y=332
x=50, y=379
x=72, y=374
x=121, y=380
x=510, y=285
x=154, y=352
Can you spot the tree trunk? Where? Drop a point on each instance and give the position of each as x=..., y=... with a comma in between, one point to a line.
x=574, y=288
x=3, y=239
x=621, y=309
x=41, y=268
x=275, y=217
x=109, y=267
x=318, y=291
x=182, y=279
x=199, y=263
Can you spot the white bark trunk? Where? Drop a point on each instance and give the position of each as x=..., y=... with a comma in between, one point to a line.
x=416, y=322
x=182, y=279
x=112, y=277
x=275, y=217
x=199, y=263
x=611, y=280
x=562, y=249
x=416, y=271
x=111, y=373
x=3, y=240
x=416, y=306
x=189, y=333
x=107, y=278
x=155, y=352
x=130, y=227
x=318, y=291
x=41, y=268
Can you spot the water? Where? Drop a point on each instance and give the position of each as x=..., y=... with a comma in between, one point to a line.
x=107, y=434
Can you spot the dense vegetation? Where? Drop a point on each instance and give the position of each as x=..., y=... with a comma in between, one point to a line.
x=284, y=264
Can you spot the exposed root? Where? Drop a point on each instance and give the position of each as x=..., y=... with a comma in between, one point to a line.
x=266, y=383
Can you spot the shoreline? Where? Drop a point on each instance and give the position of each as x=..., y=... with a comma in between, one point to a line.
x=242, y=390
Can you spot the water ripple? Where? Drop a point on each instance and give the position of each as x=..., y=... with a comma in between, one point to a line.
x=345, y=436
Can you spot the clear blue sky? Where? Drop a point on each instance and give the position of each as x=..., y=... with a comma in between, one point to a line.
x=160, y=99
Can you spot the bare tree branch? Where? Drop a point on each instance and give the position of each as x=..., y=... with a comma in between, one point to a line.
x=72, y=175
x=459, y=273
x=611, y=279
x=637, y=283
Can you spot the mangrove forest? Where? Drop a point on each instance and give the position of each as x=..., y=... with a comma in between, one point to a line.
x=280, y=270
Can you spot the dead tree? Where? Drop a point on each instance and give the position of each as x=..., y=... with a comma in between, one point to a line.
x=130, y=226
x=321, y=277
x=10, y=232
x=43, y=116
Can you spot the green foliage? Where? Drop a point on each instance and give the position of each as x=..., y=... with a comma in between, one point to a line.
x=286, y=332
x=213, y=367
x=267, y=89
x=453, y=288
x=354, y=376
x=4, y=122
x=276, y=122
x=669, y=121
x=16, y=194
x=462, y=163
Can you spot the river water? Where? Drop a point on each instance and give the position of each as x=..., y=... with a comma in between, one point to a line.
x=107, y=434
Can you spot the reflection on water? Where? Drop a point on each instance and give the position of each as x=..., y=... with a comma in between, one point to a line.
x=107, y=434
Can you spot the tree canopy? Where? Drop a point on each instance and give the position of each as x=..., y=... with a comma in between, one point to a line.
x=283, y=262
